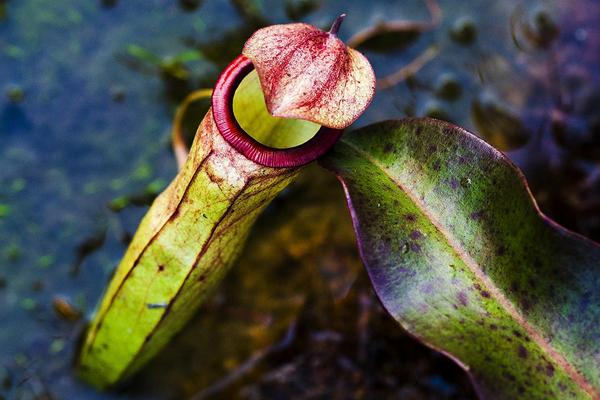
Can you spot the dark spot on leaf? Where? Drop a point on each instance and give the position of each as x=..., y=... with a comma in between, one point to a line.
x=410, y=217
x=485, y=294
x=462, y=298
x=539, y=368
x=415, y=235
x=509, y=376
x=388, y=148
x=550, y=370
x=454, y=183
x=493, y=327
x=432, y=148
x=562, y=387
x=156, y=306
x=415, y=247
x=478, y=215
x=161, y=268
x=436, y=165
x=517, y=334
x=522, y=352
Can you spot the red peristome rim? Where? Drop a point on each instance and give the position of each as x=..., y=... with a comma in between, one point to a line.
x=232, y=132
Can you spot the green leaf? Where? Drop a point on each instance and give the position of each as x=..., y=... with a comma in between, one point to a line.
x=142, y=54
x=462, y=258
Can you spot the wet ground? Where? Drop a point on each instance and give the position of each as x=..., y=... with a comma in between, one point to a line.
x=87, y=94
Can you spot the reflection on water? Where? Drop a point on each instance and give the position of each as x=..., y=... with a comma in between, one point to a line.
x=88, y=90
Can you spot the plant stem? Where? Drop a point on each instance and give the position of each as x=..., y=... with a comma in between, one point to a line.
x=335, y=27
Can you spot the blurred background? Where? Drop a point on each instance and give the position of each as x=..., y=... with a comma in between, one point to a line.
x=88, y=90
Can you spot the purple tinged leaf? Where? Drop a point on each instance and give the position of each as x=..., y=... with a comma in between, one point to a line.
x=462, y=258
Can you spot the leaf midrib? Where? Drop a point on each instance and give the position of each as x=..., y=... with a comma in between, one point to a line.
x=474, y=267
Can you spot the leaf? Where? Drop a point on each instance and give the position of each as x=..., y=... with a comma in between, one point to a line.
x=309, y=74
x=462, y=258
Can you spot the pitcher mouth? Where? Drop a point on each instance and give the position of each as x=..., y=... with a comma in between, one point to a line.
x=242, y=141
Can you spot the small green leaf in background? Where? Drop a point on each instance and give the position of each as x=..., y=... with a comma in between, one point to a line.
x=462, y=258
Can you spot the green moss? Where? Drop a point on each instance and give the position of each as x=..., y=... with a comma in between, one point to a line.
x=12, y=252
x=13, y=51
x=119, y=203
x=142, y=172
x=45, y=261
x=57, y=346
x=28, y=304
x=18, y=185
x=5, y=210
x=156, y=186
x=91, y=187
